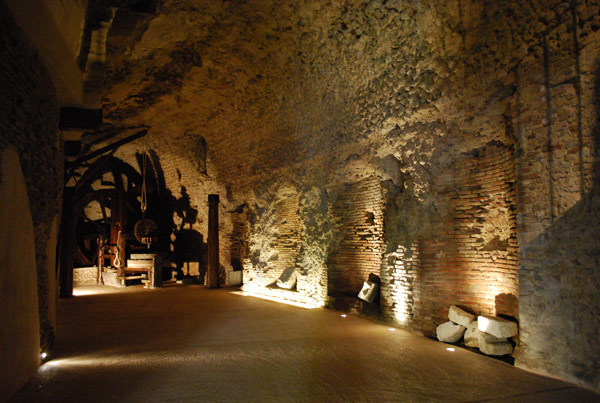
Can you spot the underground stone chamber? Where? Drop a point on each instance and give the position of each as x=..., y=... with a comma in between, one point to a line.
x=446, y=151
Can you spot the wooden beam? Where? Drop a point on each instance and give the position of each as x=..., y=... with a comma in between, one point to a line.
x=112, y=147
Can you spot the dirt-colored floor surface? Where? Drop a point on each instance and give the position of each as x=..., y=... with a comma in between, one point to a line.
x=187, y=343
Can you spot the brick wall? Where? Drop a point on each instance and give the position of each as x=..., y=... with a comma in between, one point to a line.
x=473, y=261
x=287, y=243
x=358, y=213
x=398, y=274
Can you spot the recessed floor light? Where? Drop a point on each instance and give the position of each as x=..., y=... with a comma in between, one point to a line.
x=343, y=315
x=450, y=349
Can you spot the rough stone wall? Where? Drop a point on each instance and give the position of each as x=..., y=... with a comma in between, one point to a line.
x=310, y=93
x=293, y=230
x=271, y=255
x=556, y=119
x=29, y=122
x=358, y=214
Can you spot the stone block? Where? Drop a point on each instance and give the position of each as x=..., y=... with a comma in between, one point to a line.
x=287, y=279
x=471, y=335
x=493, y=348
x=459, y=316
x=491, y=338
x=234, y=278
x=450, y=332
x=368, y=291
x=498, y=327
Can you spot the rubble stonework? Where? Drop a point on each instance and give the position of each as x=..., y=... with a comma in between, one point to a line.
x=478, y=120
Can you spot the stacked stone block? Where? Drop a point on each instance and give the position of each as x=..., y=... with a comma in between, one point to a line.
x=472, y=260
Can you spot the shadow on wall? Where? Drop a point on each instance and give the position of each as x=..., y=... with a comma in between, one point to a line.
x=189, y=245
x=560, y=283
x=185, y=245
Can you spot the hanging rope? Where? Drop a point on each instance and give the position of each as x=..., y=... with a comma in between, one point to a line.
x=117, y=261
x=145, y=230
x=144, y=196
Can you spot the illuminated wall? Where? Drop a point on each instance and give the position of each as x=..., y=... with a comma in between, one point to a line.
x=358, y=213
x=289, y=232
x=473, y=260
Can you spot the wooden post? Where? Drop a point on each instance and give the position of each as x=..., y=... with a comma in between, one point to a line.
x=212, y=276
x=67, y=244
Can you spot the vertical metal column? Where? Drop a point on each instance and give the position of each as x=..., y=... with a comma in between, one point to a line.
x=212, y=276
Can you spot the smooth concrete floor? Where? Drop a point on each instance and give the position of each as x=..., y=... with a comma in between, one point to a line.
x=187, y=343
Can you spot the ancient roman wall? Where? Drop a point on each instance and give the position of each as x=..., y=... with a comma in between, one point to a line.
x=292, y=231
x=281, y=248
x=358, y=214
x=472, y=261
x=309, y=95
x=556, y=120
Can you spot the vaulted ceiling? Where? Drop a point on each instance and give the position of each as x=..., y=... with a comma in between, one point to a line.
x=308, y=88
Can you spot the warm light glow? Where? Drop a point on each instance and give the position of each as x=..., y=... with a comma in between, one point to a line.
x=343, y=315
x=450, y=349
x=97, y=289
x=43, y=355
x=391, y=329
x=306, y=305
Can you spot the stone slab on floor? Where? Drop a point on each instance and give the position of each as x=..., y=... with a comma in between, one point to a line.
x=496, y=326
x=450, y=332
x=459, y=316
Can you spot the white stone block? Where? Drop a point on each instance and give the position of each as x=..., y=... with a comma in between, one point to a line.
x=450, y=332
x=287, y=279
x=460, y=317
x=368, y=292
x=489, y=338
x=471, y=335
x=496, y=326
x=493, y=348
x=234, y=278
